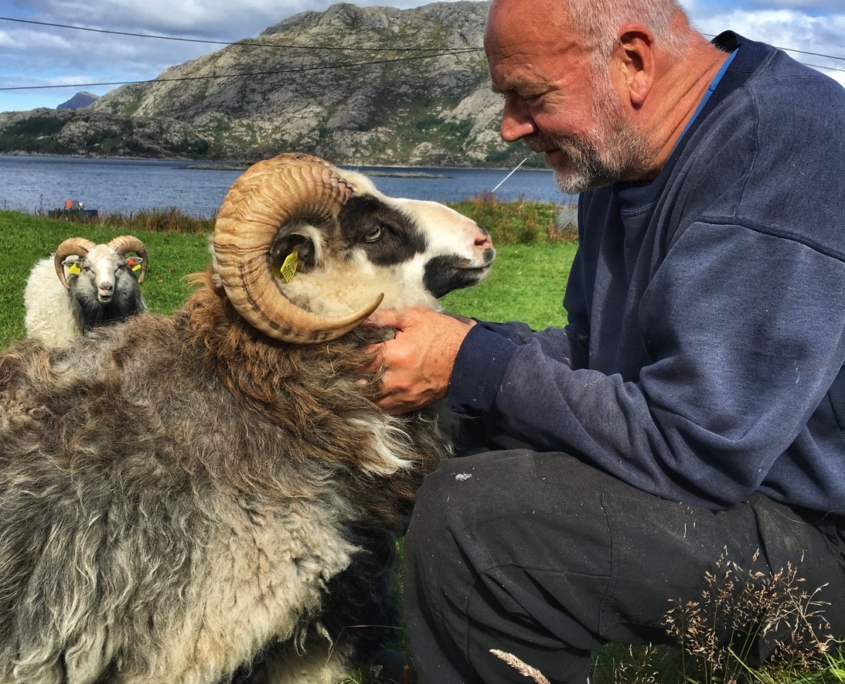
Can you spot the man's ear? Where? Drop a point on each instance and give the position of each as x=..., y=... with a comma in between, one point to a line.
x=635, y=55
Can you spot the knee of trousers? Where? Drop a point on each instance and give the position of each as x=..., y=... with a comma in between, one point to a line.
x=479, y=561
x=439, y=509
x=473, y=510
x=459, y=492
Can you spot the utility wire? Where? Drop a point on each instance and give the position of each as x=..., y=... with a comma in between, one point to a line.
x=244, y=43
x=803, y=52
x=814, y=54
x=431, y=52
x=819, y=66
x=342, y=65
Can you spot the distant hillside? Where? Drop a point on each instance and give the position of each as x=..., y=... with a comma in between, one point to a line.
x=380, y=100
x=79, y=101
x=81, y=132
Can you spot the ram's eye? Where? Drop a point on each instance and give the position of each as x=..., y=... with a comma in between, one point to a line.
x=373, y=235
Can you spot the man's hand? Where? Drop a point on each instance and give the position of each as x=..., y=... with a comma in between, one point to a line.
x=418, y=361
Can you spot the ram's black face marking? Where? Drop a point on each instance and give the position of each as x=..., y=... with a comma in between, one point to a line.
x=400, y=239
x=450, y=272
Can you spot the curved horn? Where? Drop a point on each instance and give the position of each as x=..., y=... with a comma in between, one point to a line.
x=269, y=195
x=79, y=246
x=129, y=243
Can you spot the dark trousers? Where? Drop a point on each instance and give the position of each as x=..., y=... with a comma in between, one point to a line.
x=548, y=559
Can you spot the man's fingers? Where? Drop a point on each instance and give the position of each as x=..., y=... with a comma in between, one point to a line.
x=385, y=318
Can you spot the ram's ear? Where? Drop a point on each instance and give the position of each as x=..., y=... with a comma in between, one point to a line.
x=134, y=263
x=284, y=245
x=71, y=264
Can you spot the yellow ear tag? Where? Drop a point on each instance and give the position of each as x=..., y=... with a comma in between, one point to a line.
x=288, y=269
x=74, y=269
x=136, y=267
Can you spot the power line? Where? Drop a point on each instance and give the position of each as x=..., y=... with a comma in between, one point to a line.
x=814, y=54
x=431, y=52
x=342, y=65
x=819, y=66
x=244, y=43
x=307, y=47
x=803, y=52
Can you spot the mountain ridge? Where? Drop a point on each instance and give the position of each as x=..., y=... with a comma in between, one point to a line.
x=356, y=85
x=78, y=101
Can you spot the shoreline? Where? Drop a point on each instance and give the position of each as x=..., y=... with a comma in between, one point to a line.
x=235, y=165
x=117, y=184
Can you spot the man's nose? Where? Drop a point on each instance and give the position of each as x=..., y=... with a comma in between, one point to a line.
x=516, y=122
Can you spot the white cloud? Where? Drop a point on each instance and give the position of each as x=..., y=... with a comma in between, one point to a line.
x=31, y=54
x=39, y=55
x=785, y=28
x=813, y=6
x=215, y=19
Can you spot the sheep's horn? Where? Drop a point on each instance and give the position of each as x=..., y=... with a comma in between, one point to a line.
x=269, y=195
x=129, y=243
x=79, y=246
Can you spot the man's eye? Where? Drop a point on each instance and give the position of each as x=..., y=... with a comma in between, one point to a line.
x=373, y=235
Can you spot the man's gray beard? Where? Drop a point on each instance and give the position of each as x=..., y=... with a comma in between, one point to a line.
x=613, y=151
x=587, y=170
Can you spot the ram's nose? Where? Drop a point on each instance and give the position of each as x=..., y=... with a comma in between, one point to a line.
x=484, y=246
x=483, y=240
x=104, y=292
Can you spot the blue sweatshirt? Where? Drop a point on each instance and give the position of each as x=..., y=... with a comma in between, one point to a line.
x=703, y=356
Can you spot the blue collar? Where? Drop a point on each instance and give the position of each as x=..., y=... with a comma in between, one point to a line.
x=713, y=84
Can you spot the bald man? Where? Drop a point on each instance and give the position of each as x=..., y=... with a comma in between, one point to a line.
x=693, y=406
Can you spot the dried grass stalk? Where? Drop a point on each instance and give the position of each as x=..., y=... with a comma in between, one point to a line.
x=519, y=666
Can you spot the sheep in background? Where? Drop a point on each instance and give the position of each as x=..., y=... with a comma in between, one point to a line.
x=96, y=285
x=182, y=497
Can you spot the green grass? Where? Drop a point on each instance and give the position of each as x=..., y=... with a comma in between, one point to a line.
x=515, y=223
x=526, y=284
x=531, y=267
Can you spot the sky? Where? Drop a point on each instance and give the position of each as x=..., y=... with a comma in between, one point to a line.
x=36, y=55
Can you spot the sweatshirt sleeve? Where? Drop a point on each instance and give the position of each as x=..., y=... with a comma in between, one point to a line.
x=484, y=356
x=744, y=344
x=488, y=348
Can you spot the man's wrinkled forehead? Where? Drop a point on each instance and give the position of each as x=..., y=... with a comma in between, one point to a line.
x=541, y=17
x=526, y=47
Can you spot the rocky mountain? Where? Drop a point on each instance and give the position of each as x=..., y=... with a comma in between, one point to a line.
x=78, y=101
x=357, y=85
x=81, y=132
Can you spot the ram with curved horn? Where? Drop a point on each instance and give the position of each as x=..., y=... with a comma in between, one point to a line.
x=184, y=498
x=97, y=285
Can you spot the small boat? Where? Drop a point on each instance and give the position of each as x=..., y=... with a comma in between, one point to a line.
x=74, y=209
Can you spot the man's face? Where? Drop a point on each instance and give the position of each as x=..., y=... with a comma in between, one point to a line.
x=554, y=99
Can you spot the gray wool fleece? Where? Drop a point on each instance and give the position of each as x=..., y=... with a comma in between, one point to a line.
x=703, y=356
